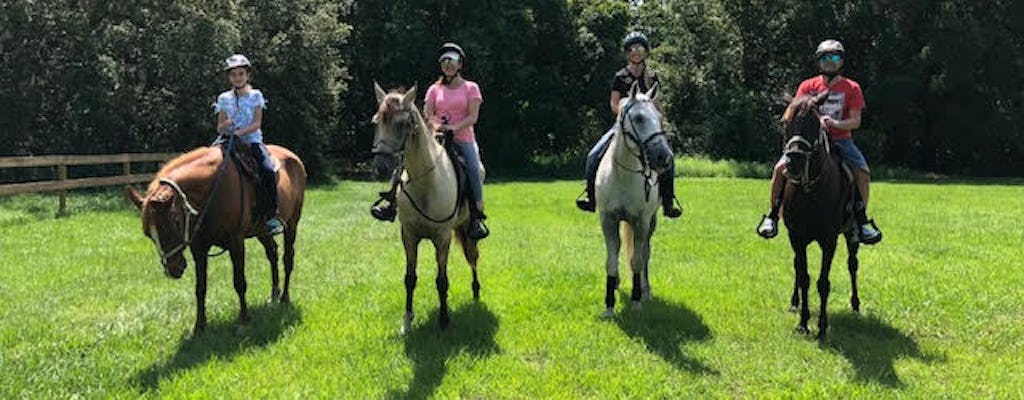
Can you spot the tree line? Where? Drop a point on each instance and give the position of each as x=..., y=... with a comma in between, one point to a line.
x=942, y=79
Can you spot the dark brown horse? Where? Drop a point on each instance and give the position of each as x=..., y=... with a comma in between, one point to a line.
x=198, y=201
x=818, y=196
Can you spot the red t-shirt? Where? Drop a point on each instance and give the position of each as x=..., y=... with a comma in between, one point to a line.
x=844, y=95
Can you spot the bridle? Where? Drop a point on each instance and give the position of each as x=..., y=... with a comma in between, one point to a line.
x=399, y=155
x=187, y=230
x=793, y=146
x=645, y=168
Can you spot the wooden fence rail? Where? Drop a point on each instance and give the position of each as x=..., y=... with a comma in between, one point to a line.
x=62, y=184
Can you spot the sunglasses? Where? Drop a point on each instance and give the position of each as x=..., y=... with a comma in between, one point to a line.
x=637, y=48
x=448, y=61
x=830, y=57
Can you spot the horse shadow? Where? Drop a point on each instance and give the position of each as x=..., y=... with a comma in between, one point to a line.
x=222, y=340
x=665, y=328
x=471, y=331
x=871, y=346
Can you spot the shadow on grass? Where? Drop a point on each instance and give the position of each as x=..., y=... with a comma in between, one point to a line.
x=221, y=340
x=665, y=328
x=871, y=345
x=471, y=331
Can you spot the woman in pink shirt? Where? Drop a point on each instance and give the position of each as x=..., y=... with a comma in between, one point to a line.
x=452, y=105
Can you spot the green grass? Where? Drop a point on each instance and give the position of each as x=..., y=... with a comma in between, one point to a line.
x=87, y=311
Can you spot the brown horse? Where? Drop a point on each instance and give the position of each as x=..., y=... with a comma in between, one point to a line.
x=199, y=200
x=817, y=206
x=431, y=204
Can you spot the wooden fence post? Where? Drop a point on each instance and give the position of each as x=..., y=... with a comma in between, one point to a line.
x=62, y=176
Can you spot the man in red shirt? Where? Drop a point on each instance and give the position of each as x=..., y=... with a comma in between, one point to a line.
x=840, y=114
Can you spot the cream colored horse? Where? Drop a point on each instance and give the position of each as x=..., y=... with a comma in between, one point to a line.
x=627, y=191
x=431, y=204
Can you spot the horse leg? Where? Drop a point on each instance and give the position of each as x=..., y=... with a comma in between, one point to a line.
x=828, y=250
x=638, y=264
x=803, y=282
x=411, y=247
x=290, y=232
x=237, y=250
x=610, y=228
x=442, y=244
x=199, y=254
x=794, y=301
x=472, y=253
x=853, y=264
x=270, y=247
x=645, y=278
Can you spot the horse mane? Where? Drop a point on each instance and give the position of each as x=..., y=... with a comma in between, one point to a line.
x=176, y=163
x=800, y=105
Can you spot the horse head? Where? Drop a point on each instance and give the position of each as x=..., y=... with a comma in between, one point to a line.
x=397, y=120
x=641, y=123
x=166, y=219
x=805, y=140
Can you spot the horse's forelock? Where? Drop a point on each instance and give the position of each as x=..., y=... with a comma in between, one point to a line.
x=391, y=104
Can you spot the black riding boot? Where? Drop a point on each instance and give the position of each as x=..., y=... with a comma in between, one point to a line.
x=587, y=203
x=477, y=229
x=667, y=188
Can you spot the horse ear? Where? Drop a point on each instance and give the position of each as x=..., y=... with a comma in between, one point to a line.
x=820, y=98
x=652, y=92
x=634, y=89
x=409, y=96
x=380, y=93
x=134, y=196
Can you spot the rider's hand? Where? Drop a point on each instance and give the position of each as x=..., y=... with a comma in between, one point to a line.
x=827, y=121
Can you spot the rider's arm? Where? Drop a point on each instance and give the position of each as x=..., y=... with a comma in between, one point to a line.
x=850, y=123
x=474, y=112
x=223, y=123
x=257, y=121
x=613, y=99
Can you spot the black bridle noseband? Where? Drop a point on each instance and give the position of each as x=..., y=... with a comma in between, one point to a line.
x=645, y=167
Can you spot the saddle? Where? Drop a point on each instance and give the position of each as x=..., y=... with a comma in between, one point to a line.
x=447, y=141
x=247, y=162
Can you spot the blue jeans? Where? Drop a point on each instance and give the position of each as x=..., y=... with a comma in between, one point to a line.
x=851, y=154
x=471, y=154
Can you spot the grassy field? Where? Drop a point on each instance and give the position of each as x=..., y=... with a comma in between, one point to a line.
x=87, y=311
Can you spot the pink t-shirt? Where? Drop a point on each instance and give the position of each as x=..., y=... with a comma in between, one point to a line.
x=454, y=104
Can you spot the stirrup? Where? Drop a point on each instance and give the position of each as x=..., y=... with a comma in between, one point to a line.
x=477, y=229
x=583, y=202
x=872, y=240
x=383, y=213
x=275, y=226
x=770, y=233
x=673, y=209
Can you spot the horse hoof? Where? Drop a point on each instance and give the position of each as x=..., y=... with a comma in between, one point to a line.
x=794, y=309
x=636, y=305
x=802, y=330
x=608, y=313
x=240, y=330
x=275, y=295
x=406, y=324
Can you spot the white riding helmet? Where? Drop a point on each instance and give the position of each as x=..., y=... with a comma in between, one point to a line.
x=829, y=46
x=237, y=61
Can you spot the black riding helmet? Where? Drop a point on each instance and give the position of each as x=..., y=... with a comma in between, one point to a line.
x=634, y=37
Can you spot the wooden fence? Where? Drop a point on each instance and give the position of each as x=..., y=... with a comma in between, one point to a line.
x=62, y=184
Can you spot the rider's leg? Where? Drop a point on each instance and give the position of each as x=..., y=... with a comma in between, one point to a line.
x=388, y=211
x=667, y=189
x=475, y=184
x=268, y=182
x=869, y=232
x=768, y=227
x=588, y=203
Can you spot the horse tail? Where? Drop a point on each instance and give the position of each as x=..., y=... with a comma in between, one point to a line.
x=626, y=235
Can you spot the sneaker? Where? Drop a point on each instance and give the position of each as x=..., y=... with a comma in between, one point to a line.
x=477, y=229
x=275, y=226
x=383, y=213
x=767, y=228
x=869, y=233
x=585, y=204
